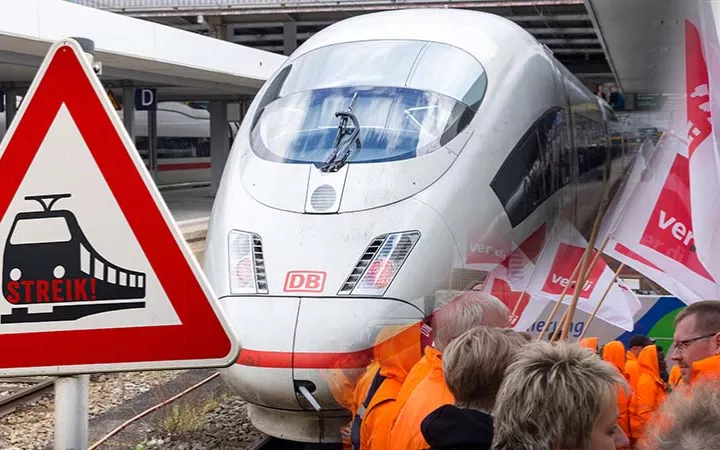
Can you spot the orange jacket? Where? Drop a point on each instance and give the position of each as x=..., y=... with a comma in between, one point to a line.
x=675, y=377
x=591, y=343
x=649, y=394
x=416, y=375
x=614, y=353
x=396, y=356
x=705, y=368
x=429, y=394
x=632, y=370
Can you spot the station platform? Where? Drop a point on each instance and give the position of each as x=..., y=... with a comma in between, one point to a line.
x=189, y=206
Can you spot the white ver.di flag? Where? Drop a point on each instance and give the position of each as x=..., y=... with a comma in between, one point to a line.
x=619, y=246
x=655, y=226
x=703, y=115
x=552, y=273
x=508, y=281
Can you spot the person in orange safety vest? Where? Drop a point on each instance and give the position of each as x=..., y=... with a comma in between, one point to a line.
x=696, y=342
x=614, y=353
x=396, y=351
x=675, y=378
x=632, y=367
x=350, y=377
x=425, y=390
x=649, y=393
x=590, y=343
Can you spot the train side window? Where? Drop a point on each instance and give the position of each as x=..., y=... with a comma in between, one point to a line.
x=111, y=275
x=509, y=186
x=534, y=157
x=84, y=260
x=525, y=180
x=99, y=270
x=175, y=147
x=122, y=279
x=40, y=231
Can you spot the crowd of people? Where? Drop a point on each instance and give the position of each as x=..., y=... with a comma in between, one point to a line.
x=481, y=385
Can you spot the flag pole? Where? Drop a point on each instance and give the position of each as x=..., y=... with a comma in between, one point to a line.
x=558, y=328
x=564, y=292
x=561, y=324
x=559, y=302
x=517, y=306
x=602, y=299
x=584, y=269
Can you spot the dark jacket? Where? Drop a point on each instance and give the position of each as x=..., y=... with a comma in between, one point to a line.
x=453, y=428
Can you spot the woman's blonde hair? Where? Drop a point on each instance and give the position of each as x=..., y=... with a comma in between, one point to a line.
x=552, y=397
x=474, y=364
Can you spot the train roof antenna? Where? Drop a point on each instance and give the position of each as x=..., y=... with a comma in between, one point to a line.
x=51, y=197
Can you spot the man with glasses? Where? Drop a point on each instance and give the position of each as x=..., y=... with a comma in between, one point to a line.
x=696, y=346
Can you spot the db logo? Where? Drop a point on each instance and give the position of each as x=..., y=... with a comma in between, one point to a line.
x=304, y=281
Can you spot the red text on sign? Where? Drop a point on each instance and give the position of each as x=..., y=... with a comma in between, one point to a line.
x=44, y=291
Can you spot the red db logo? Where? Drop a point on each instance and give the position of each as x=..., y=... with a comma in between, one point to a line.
x=304, y=281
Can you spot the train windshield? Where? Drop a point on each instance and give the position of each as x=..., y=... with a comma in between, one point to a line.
x=411, y=97
x=40, y=231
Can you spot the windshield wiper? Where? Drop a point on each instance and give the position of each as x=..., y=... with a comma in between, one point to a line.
x=343, y=147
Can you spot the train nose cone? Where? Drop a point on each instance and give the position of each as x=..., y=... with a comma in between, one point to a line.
x=290, y=342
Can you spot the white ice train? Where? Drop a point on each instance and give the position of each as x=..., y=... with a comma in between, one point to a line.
x=394, y=158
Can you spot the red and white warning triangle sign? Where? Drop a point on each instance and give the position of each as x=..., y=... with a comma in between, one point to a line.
x=95, y=274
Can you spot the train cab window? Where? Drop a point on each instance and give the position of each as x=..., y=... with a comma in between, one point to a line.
x=535, y=169
x=424, y=96
x=40, y=231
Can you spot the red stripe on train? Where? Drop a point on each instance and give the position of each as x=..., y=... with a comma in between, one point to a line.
x=183, y=166
x=305, y=360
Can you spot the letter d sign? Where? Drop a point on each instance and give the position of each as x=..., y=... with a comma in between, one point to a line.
x=145, y=99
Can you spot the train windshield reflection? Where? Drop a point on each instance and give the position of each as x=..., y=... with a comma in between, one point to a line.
x=430, y=95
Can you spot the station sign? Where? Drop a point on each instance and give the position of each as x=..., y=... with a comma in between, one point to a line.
x=649, y=102
x=95, y=274
x=146, y=99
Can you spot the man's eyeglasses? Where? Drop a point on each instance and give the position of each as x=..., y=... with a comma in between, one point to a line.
x=683, y=345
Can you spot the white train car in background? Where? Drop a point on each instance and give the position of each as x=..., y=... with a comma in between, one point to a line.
x=183, y=142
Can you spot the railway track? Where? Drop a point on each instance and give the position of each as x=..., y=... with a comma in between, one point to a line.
x=273, y=443
x=14, y=391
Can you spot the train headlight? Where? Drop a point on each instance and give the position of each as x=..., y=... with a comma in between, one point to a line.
x=247, y=266
x=382, y=265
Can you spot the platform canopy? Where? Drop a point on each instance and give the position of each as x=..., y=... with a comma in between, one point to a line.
x=644, y=42
x=134, y=53
x=565, y=26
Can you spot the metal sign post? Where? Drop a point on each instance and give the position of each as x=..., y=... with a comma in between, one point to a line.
x=71, y=412
x=72, y=393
